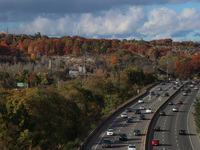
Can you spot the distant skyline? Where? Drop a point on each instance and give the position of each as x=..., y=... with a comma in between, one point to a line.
x=120, y=19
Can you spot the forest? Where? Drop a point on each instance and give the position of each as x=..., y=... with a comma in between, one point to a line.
x=57, y=111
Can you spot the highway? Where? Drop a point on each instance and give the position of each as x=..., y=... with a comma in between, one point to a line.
x=172, y=122
x=120, y=126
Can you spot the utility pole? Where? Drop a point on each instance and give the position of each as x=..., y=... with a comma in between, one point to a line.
x=167, y=70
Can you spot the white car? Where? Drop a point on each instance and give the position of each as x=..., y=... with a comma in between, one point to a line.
x=140, y=101
x=110, y=132
x=191, y=85
x=142, y=107
x=175, y=109
x=148, y=110
x=131, y=147
x=184, y=93
x=124, y=115
x=196, y=88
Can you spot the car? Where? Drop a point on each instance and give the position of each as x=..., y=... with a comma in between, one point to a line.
x=148, y=110
x=142, y=107
x=181, y=132
x=159, y=89
x=131, y=147
x=174, y=88
x=110, y=132
x=122, y=137
x=152, y=93
x=163, y=83
x=155, y=142
x=162, y=113
x=184, y=93
x=175, y=109
x=179, y=102
x=170, y=103
x=191, y=85
x=137, y=111
x=106, y=143
x=128, y=109
x=124, y=115
x=186, y=90
x=142, y=117
x=196, y=88
x=140, y=101
x=129, y=120
x=189, y=90
x=157, y=95
x=166, y=94
x=157, y=128
x=176, y=82
x=136, y=132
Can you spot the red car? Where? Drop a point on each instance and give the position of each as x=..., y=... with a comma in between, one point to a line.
x=179, y=102
x=155, y=142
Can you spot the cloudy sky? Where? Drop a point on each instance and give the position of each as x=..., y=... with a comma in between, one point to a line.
x=130, y=19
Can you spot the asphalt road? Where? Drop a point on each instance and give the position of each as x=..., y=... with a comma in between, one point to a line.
x=120, y=126
x=174, y=121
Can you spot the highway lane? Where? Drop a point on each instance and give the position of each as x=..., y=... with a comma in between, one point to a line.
x=120, y=126
x=174, y=121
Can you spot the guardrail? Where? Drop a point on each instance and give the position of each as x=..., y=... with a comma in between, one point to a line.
x=130, y=101
x=151, y=123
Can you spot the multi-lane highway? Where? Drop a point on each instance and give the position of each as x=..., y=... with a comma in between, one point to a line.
x=173, y=122
x=119, y=124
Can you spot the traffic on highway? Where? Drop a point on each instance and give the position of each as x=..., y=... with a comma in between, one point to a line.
x=176, y=129
x=127, y=129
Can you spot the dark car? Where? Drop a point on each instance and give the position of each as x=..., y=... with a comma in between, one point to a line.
x=142, y=117
x=166, y=94
x=181, y=132
x=157, y=128
x=129, y=120
x=162, y=113
x=137, y=111
x=136, y=132
x=174, y=88
x=106, y=143
x=123, y=137
x=152, y=93
x=170, y=103
x=128, y=109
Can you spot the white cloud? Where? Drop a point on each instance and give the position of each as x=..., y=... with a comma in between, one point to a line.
x=114, y=21
x=165, y=20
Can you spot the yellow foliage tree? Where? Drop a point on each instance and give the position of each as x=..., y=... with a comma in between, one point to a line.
x=33, y=57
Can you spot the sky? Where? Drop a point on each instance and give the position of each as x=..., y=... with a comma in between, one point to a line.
x=110, y=19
